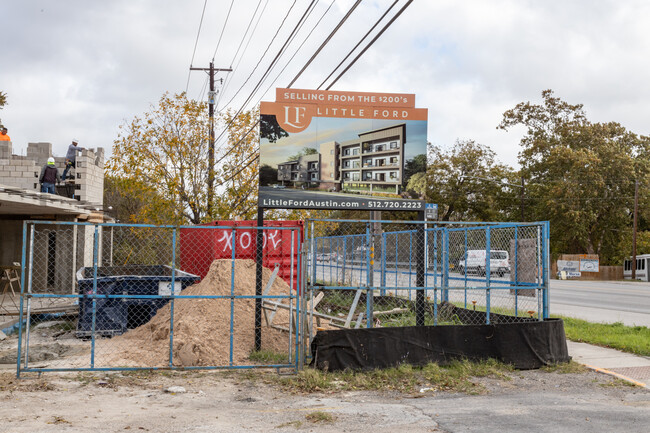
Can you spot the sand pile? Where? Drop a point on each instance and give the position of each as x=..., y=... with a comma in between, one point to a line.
x=202, y=326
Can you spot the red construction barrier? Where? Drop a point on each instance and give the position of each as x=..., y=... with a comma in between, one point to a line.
x=199, y=247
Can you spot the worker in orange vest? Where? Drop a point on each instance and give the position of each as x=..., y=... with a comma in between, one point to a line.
x=3, y=135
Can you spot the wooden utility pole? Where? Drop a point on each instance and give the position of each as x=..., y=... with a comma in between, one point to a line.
x=636, y=210
x=211, y=102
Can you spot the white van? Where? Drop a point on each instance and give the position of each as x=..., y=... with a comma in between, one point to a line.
x=475, y=262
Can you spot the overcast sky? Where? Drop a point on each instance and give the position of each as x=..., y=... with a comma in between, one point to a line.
x=79, y=69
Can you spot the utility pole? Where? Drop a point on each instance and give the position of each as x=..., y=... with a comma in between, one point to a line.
x=636, y=210
x=211, y=102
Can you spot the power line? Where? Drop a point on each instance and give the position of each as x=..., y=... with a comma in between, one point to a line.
x=268, y=70
x=298, y=49
x=195, y=45
x=326, y=41
x=222, y=30
x=277, y=56
x=358, y=43
x=229, y=79
x=381, y=32
x=246, y=32
x=263, y=54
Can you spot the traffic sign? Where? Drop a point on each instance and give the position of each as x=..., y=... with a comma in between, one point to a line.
x=431, y=211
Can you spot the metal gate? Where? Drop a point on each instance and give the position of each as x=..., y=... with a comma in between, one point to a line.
x=122, y=297
x=386, y=273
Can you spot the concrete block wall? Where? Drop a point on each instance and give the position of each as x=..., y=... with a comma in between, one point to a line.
x=89, y=176
x=17, y=171
x=23, y=171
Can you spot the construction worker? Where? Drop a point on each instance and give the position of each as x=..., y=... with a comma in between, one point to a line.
x=71, y=157
x=3, y=135
x=49, y=177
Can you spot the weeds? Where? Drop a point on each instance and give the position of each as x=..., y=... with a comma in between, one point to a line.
x=320, y=417
x=565, y=368
x=268, y=356
x=455, y=377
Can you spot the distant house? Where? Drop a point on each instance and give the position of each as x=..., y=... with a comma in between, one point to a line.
x=376, y=158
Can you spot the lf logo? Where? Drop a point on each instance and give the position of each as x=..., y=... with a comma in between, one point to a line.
x=294, y=116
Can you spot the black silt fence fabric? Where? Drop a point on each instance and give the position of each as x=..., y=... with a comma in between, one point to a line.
x=526, y=345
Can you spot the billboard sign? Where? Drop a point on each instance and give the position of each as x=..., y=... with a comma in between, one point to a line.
x=568, y=266
x=342, y=150
x=589, y=265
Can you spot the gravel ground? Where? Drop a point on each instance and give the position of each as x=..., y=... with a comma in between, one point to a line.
x=231, y=402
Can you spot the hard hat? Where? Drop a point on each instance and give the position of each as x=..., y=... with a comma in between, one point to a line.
x=75, y=141
x=50, y=161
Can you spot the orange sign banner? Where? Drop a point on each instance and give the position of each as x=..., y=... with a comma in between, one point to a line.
x=297, y=117
x=302, y=96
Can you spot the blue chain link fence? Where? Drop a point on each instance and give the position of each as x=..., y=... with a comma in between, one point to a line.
x=370, y=273
x=121, y=297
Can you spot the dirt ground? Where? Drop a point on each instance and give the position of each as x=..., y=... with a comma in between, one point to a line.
x=246, y=402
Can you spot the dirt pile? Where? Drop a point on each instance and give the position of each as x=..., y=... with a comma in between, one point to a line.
x=202, y=327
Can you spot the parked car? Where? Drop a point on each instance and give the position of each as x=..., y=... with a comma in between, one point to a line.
x=326, y=257
x=278, y=186
x=475, y=263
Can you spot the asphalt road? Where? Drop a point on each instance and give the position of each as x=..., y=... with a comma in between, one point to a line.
x=602, y=301
x=596, y=301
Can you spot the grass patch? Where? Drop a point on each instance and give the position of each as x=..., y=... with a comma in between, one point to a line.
x=632, y=339
x=294, y=424
x=268, y=356
x=616, y=383
x=320, y=417
x=455, y=377
x=565, y=368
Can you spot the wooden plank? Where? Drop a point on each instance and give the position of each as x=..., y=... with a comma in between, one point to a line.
x=393, y=311
x=353, y=308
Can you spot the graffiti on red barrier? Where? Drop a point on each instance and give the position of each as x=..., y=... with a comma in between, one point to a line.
x=245, y=239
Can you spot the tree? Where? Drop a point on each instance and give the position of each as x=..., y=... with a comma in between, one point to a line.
x=133, y=201
x=167, y=150
x=3, y=102
x=467, y=183
x=303, y=152
x=268, y=175
x=580, y=175
x=239, y=171
x=271, y=129
x=417, y=164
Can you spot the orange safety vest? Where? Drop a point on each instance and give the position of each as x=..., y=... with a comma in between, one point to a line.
x=4, y=137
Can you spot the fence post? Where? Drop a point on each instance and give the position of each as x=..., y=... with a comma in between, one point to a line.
x=445, y=264
x=383, y=264
x=94, y=316
x=22, y=294
x=369, y=275
x=546, y=263
x=259, y=246
x=232, y=294
x=171, y=302
x=487, y=274
x=420, y=297
x=29, y=293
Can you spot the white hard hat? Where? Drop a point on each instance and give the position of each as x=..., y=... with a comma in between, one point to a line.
x=50, y=161
x=74, y=140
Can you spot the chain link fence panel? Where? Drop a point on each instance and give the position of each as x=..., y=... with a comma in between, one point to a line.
x=117, y=296
x=387, y=273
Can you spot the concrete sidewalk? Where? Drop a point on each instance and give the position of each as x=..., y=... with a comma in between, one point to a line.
x=626, y=366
